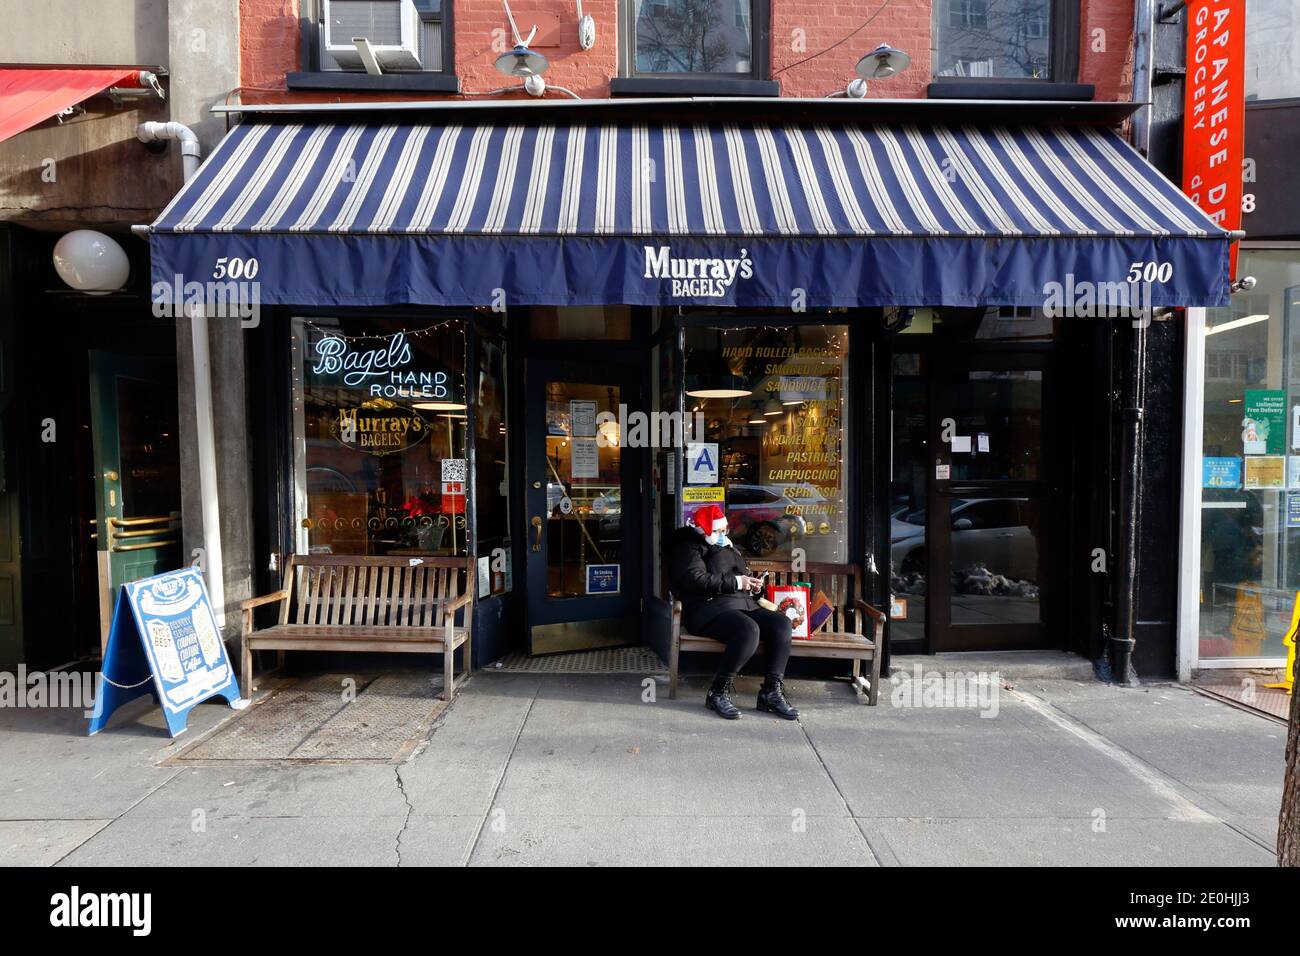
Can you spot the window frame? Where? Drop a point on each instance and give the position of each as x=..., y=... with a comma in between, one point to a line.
x=314, y=77
x=756, y=82
x=1063, y=52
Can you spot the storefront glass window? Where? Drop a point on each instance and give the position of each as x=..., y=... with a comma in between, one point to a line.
x=379, y=416
x=1250, y=470
x=774, y=406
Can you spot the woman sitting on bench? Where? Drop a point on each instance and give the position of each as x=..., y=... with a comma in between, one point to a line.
x=719, y=600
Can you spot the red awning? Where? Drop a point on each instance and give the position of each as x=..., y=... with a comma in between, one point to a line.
x=33, y=94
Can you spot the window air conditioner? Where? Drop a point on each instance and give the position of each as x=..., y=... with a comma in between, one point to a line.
x=392, y=28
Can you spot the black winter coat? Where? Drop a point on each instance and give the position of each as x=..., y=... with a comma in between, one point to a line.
x=703, y=578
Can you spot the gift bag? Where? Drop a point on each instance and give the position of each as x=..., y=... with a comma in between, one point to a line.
x=792, y=601
x=819, y=613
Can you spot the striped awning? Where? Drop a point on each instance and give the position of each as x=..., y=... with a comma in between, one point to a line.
x=719, y=214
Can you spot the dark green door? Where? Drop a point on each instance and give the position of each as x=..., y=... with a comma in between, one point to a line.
x=137, y=471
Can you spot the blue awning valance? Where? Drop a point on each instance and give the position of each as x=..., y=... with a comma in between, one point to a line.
x=718, y=214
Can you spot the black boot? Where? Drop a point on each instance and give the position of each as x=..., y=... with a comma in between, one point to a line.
x=771, y=698
x=719, y=697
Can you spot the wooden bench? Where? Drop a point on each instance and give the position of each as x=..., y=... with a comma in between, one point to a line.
x=333, y=602
x=843, y=636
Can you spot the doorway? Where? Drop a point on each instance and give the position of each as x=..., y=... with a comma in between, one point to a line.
x=583, y=487
x=975, y=519
x=137, y=472
x=990, y=542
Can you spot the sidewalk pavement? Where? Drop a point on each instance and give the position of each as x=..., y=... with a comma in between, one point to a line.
x=550, y=769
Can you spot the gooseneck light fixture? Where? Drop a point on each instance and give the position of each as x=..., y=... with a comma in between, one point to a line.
x=528, y=65
x=881, y=63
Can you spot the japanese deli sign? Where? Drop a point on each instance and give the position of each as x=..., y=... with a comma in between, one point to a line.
x=1215, y=109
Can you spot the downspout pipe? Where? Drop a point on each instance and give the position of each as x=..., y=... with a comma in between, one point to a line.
x=1144, y=27
x=205, y=429
x=177, y=132
x=1123, y=637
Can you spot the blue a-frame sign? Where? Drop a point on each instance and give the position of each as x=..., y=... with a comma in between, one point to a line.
x=165, y=641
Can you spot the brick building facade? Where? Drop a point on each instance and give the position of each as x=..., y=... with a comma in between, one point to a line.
x=271, y=46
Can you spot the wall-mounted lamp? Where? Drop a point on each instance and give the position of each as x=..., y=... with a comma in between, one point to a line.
x=91, y=262
x=882, y=62
x=522, y=62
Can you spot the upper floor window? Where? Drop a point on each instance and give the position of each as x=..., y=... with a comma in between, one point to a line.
x=1272, y=49
x=994, y=38
x=693, y=36
x=405, y=35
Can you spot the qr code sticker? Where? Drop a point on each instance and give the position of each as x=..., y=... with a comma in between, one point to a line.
x=453, y=469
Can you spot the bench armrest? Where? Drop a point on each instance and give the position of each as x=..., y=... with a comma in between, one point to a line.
x=459, y=601
x=282, y=595
x=877, y=616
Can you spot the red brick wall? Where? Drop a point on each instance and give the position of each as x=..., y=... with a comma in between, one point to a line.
x=269, y=44
x=483, y=34
x=801, y=29
x=1106, y=47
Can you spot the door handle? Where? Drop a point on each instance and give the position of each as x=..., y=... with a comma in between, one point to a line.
x=537, y=541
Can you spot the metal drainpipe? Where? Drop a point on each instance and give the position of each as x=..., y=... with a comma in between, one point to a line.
x=1123, y=638
x=205, y=430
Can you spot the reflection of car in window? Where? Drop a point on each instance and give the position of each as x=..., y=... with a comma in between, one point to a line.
x=996, y=533
x=757, y=518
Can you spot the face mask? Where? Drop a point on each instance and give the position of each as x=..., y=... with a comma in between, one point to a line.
x=718, y=538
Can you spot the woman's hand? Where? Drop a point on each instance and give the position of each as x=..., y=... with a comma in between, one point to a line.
x=750, y=584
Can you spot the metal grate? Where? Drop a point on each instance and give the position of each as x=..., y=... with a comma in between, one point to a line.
x=1268, y=701
x=617, y=660
x=311, y=721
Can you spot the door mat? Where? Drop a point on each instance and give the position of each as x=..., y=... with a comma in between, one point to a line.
x=312, y=720
x=616, y=660
x=1262, y=700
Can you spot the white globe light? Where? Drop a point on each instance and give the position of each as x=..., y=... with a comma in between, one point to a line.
x=90, y=261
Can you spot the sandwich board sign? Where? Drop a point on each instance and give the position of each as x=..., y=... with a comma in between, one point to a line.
x=165, y=641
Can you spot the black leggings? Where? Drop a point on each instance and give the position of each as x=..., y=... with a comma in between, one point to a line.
x=742, y=630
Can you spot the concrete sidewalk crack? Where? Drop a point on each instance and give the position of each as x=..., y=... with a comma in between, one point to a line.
x=410, y=809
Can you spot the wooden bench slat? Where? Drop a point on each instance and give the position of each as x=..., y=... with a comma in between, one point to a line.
x=319, y=631
x=389, y=603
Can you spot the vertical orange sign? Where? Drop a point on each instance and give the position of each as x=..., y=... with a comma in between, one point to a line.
x=1215, y=110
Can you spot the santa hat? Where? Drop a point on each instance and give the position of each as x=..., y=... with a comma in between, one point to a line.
x=707, y=519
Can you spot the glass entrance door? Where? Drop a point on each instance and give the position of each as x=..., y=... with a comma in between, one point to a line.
x=583, y=493
x=989, y=503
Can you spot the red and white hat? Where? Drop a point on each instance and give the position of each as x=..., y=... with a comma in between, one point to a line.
x=710, y=519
